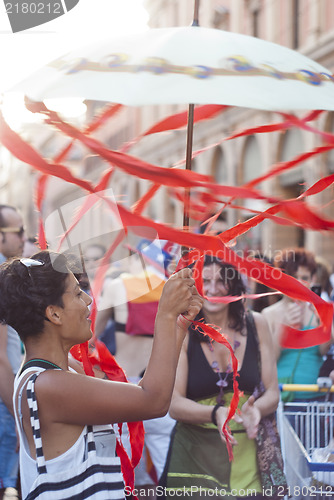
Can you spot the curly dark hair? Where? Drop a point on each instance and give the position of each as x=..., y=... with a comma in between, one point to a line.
x=26, y=292
x=290, y=259
x=235, y=287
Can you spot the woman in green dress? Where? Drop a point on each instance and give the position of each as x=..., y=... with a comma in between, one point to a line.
x=198, y=459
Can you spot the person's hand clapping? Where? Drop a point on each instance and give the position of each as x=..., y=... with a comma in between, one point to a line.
x=221, y=416
x=250, y=417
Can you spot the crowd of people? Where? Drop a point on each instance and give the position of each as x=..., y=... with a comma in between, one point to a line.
x=180, y=379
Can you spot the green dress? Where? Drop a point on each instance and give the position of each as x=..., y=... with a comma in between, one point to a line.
x=198, y=460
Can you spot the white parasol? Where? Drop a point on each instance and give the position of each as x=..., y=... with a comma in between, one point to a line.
x=186, y=64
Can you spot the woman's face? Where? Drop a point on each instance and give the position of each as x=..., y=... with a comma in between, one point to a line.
x=76, y=311
x=213, y=286
x=303, y=274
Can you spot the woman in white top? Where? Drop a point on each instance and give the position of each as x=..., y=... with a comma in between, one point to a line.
x=42, y=300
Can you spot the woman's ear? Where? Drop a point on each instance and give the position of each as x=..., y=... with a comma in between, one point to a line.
x=52, y=313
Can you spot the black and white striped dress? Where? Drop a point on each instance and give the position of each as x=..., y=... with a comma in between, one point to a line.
x=88, y=470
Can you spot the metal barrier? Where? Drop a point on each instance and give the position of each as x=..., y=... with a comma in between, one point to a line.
x=306, y=430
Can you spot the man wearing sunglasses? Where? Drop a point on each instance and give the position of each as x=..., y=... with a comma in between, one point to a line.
x=12, y=240
x=12, y=236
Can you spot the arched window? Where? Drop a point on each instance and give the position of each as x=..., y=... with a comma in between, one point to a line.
x=252, y=160
x=292, y=145
x=291, y=183
x=219, y=167
x=252, y=168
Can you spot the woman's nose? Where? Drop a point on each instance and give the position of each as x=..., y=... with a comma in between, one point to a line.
x=88, y=299
x=212, y=288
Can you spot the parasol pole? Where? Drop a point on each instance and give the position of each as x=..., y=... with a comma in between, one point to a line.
x=196, y=16
x=190, y=130
x=189, y=147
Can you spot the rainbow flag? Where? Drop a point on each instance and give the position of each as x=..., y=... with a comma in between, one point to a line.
x=143, y=293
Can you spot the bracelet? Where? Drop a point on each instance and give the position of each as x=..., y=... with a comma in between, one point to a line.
x=184, y=320
x=213, y=413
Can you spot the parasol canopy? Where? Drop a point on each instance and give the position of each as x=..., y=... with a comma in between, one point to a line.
x=186, y=65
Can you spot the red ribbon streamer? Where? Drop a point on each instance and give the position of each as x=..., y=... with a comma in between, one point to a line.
x=219, y=337
x=110, y=367
x=15, y=144
x=177, y=121
x=294, y=209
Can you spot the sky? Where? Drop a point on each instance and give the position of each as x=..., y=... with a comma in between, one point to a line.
x=23, y=52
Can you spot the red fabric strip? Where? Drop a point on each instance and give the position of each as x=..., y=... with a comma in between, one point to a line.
x=12, y=141
x=177, y=121
x=26, y=153
x=159, y=175
x=110, y=367
x=282, y=167
x=318, y=186
x=219, y=337
x=101, y=119
x=140, y=205
x=303, y=125
x=294, y=209
x=180, y=120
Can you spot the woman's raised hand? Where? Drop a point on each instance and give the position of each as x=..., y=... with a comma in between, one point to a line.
x=179, y=294
x=184, y=320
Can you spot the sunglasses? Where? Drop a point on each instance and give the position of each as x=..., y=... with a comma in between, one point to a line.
x=18, y=230
x=28, y=263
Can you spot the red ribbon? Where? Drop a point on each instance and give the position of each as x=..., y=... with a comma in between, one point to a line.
x=214, y=334
x=110, y=367
x=295, y=211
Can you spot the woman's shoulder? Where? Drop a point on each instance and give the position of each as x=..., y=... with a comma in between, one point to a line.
x=259, y=318
x=261, y=323
x=273, y=313
x=274, y=308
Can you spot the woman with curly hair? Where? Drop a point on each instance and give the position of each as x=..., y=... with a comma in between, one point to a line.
x=203, y=391
x=296, y=366
x=67, y=445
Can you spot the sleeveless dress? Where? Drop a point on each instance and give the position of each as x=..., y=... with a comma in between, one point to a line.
x=307, y=364
x=197, y=456
x=94, y=447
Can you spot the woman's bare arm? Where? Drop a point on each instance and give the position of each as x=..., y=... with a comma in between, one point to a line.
x=253, y=410
x=72, y=398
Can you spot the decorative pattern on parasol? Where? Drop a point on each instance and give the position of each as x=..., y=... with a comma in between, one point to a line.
x=186, y=64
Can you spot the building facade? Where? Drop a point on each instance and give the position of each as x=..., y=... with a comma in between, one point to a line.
x=303, y=25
